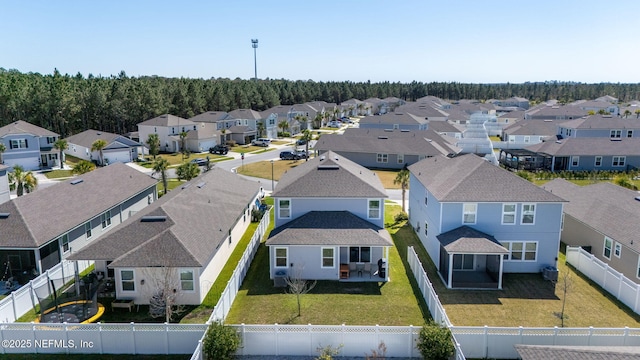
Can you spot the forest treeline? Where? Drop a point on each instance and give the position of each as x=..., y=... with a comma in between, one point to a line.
x=68, y=104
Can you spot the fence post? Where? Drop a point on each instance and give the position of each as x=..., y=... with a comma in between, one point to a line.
x=100, y=336
x=275, y=331
x=310, y=339
x=13, y=304
x=244, y=337
x=411, y=341
x=590, y=335
x=486, y=342
x=31, y=292
x=166, y=337
x=626, y=335
x=133, y=337
x=66, y=336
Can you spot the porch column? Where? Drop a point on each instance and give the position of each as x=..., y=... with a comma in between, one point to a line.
x=38, y=261
x=553, y=164
x=500, y=273
x=450, y=273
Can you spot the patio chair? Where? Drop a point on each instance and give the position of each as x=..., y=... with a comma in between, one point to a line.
x=367, y=269
x=352, y=268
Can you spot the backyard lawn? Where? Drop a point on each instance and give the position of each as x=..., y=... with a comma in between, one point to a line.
x=58, y=174
x=331, y=302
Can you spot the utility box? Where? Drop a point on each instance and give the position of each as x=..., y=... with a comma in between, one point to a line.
x=550, y=273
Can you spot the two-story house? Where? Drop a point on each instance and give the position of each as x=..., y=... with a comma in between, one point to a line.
x=597, y=106
x=168, y=128
x=4, y=184
x=182, y=241
x=478, y=221
x=28, y=145
x=602, y=126
x=329, y=223
x=40, y=229
x=118, y=149
x=246, y=123
x=395, y=120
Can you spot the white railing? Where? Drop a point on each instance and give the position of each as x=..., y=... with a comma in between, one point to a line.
x=614, y=282
x=24, y=299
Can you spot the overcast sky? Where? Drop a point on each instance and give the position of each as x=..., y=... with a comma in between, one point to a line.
x=479, y=41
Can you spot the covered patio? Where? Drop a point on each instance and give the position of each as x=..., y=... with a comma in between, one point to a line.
x=470, y=259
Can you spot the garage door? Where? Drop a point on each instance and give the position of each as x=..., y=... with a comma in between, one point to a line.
x=31, y=163
x=121, y=156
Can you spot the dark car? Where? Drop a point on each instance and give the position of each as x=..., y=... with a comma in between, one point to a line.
x=301, y=142
x=301, y=154
x=289, y=155
x=199, y=161
x=219, y=149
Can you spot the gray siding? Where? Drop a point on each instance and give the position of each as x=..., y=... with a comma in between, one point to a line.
x=28, y=157
x=370, y=160
x=357, y=206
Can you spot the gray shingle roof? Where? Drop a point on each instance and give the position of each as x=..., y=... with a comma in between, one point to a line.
x=167, y=120
x=244, y=114
x=358, y=140
x=203, y=131
x=197, y=223
x=588, y=146
x=329, y=228
x=532, y=127
x=442, y=126
x=393, y=118
x=564, y=352
x=605, y=207
x=603, y=122
x=87, y=137
x=47, y=213
x=470, y=178
x=23, y=127
x=551, y=112
x=423, y=110
x=330, y=175
x=210, y=117
x=466, y=240
x=240, y=129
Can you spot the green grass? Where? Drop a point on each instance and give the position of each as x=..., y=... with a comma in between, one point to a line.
x=176, y=159
x=246, y=148
x=333, y=302
x=92, y=357
x=71, y=160
x=584, y=182
x=262, y=169
x=387, y=176
x=171, y=184
x=57, y=174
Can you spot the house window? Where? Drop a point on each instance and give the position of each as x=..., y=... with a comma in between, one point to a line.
x=327, y=257
x=194, y=127
x=629, y=133
x=508, y=214
x=106, y=219
x=87, y=229
x=598, y=161
x=521, y=250
x=382, y=158
x=281, y=257
x=469, y=213
x=575, y=160
x=426, y=198
x=374, y=209
x=618, y=160
x=18, y=144
x=463, y=261
x=527, y=139
x=528, y=213
x=400, y=158
x=617, y=250
x=64, y=242
x=52, y=139
x=360, y=254
x=426, y=229
x=128, y=281
x=284, y=209
x=608, y=243
x=512, y=139
x=186, y=280
x=396, y=126
x=615, y=134
x=638, y=271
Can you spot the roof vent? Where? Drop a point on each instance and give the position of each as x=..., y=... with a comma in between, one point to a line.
x=200, y=185
x=637, y=198
x=328, y=167
x=322, y=158
x=4, y=215
x=405, y=130
x=98, y=133
x=76, y=181
x=185, y=186
x=151, y=218
x=548, y=120
x=558, y=142
x=388, y=130
x=383, y=137
x=616, y=139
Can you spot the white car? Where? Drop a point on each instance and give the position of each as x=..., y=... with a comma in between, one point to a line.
x=261, y=142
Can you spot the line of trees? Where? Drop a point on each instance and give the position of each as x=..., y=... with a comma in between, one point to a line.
x=69, y=104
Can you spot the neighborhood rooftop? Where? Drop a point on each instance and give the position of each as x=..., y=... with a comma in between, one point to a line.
x=23, y=127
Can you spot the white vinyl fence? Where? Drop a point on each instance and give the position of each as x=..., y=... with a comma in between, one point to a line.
x=618, y=285
x=24, y=299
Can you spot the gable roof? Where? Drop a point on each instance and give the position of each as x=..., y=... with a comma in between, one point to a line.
x=244, y=114
x=329, y=228
x=210, y=116
x=467, y=240
x=47, y=213
x=588, y=146
x=532, y=127
x=551, y=112
x=167, y=120
x=87, y=137
x=470, y=178
x=393, y=118
x=604, y=206
x=359, y=140
x=442, y=126
x=330, y=175
x=23, y=127
x=203, y=130
x=422, y=109
x=198, y=220
x=598, y=121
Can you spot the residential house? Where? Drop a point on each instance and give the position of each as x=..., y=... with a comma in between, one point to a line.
x=608, y=98
x=182, y=241
x=478, y=221
x=272, y=117
x=524, y=133
x=204, y=137
x=423, y=110
x=245, y=117
x=598, y=218
x=515, y=101
x=445, y=128
x=211, y=117
x=40, y=229
x=509, y=118
x=435, y=102
x=378, y=106
x=597, y=106
x=168, y=128
x=329, y=223
x=118, y=149
x=395, y=120
x=388, y=149
x=28, y=145
x=4, y=184
x=604, y=126
x=555, y=112
x=302, y=117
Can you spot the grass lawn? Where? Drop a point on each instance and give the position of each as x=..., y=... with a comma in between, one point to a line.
x=262, y=169
x=92, y=357
x=171, y=184
x=584, y=182
x=282, y=142
x=177, y=159
x=332, y=302
x=57, y=174
x=71, y=160
x=528, y=300
x=386, y=177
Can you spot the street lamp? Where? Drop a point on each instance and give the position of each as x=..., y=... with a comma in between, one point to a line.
x=272, y=187
x=254, y=45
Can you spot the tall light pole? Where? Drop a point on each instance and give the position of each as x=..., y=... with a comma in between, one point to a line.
x=254, y=45
x=272, y=186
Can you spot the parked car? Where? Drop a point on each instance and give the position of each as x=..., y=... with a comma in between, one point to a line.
x=289, y=155
x=301, y=142
x=199, y=161
x=302, y=154
x=334, y=124
x=261, y=142
x=219, y=149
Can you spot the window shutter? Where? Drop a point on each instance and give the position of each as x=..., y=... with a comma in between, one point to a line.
x=10, y=144
x=26, y=144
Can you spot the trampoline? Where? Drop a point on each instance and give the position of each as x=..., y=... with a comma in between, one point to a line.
x=69, y=300
x=81, y=311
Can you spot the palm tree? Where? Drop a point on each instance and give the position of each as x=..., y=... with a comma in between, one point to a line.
x=637, y=112
x=402, y=179
x=307, y=136
x=61, y=145
x=2, y=149
x=183, y=145
x=317, y=121
x=260, y=129
x=284, y=125
x=154, y=145
x=187, y=171
x=98, y=145
x=22, y=181
x=224, y=136
x=83, y=167
x=160, y=166
x=627, y=113
x=302, y=120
